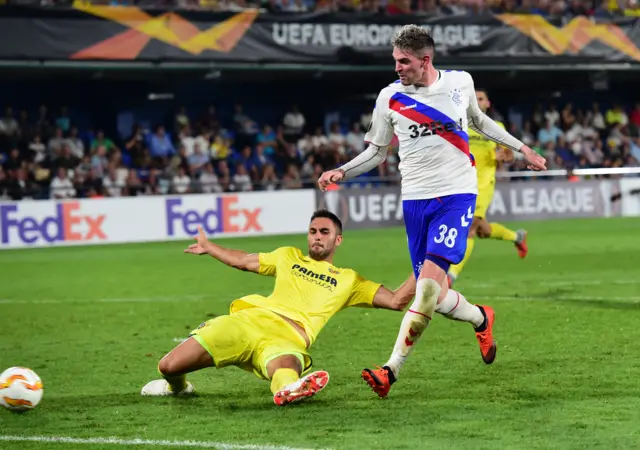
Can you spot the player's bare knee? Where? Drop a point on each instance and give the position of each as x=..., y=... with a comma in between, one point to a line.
x=168, y=366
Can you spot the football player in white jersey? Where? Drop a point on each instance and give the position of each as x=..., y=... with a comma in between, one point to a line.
x=429, y=111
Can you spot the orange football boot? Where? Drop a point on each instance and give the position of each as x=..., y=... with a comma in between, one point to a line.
x=305, y=387
x=521, y=244
x=488, y=347
x=380, y=380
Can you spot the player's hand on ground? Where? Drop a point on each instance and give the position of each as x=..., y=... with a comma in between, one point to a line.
x=535, y=161
x=200, y=247
x=330, y=177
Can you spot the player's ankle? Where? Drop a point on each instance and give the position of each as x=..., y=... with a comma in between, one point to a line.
x=390, y=374
x=482, y=327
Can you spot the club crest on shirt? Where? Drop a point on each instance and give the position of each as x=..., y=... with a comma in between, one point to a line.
x=333, y=271
x=456, y=96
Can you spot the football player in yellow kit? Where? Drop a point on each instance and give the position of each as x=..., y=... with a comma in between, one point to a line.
x=487, y=156
x=270, y=336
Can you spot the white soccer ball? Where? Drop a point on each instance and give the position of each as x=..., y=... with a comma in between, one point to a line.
x=20, y=389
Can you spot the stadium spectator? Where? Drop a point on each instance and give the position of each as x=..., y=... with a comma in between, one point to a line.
x=267, y=137
x=596, y=119
x=160, y=145
x=181, y=183
x=133, y=185
x=55, y=144
x=61, y=185
x=209, y=181
x=20, y=187
x=113, y=185
x=355, y=141
x=550, y=133
x=616, y=116
x=75, y=143
x=66, y=160
x=337, y=140
x=186, y=139
x=552, y=115
x=567, y=117
x=135, y=145
x=220, y=148
x=241, y=180
x=224, y=175
x=245, y=127
x=63, y=121
x=9, y=129
x=43, y=124
x=209, y=120
x=306, y=145
x=294, y=122
x=291, y=179
x=269, y=180
x=197, y=160
x=14, y=161
x=102, y=141
x=182, y=120
x=99, y=161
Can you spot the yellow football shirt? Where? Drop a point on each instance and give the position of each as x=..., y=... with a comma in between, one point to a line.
x=307, y=291
x=484, y=154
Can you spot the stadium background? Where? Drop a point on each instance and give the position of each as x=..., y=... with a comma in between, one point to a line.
x=86, y=86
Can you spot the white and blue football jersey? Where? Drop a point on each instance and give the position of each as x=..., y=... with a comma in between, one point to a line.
x=431, y=125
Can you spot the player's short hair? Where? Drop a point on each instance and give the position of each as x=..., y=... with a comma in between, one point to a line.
x=413, y=38
x=325, y=213
x=483, y=90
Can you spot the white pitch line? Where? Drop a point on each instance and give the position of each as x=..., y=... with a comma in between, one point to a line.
x=632, y=299
x=174, y=298
x=138, y=441
x=471, y=285
x=589, y=282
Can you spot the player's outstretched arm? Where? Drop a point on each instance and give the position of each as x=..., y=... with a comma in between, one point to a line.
x=369, y=159
x=378, y=136
x=396, y=300
x=237, y=259
x=484, y=125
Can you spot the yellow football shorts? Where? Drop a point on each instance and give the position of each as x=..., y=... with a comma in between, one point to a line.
x=250, y=339
x=485, y=195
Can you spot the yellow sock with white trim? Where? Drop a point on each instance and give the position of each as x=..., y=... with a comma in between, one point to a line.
x=499, y=231
x=282, y=378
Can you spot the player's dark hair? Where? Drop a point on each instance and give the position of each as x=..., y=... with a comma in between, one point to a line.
x=328, y=215
x=483, y=90
x=414, y=39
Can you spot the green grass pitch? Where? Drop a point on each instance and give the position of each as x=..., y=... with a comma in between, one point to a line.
x=94, y=321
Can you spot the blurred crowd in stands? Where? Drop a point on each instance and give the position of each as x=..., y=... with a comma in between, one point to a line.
x=46, y=156
x=550, y=8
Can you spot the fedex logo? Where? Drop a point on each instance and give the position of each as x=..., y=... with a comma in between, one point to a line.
x=225, y=216
x=66, y=225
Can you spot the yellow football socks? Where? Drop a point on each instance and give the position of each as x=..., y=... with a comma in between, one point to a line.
x=503, y=233
x=282, y=378
x=177, y=383
x=455, y=270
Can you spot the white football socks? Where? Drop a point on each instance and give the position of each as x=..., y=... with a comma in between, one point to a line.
x=415, y=321
x=456, y=307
